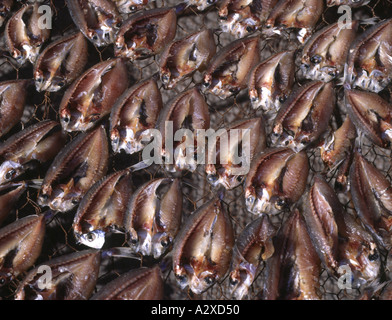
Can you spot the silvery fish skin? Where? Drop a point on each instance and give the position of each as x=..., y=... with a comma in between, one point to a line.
x=189, y=112
x=139, y=284
x=146, y=33
x=5, y=9
x=201, y=5
x=183, y=57
x=271, y=81
x=253, y=246
x=74, y=276
x=203, y=248
x=372, y=198
x=12, y=102
x=24, y=41
x=130, y=6
x=60, y=63
x=102, y=209
x=296, y=14
x=276, y=179
x=371, y=114
x=242, y=17
x=305, y=116
x=325, y=53
x=9, y=195
x=133, y=116
x=223, y=161
x=92, y=95
x=228, y=71
x=20, y=245
x=153, y=216
x=80, y=164
x=369, y=63
x=39, y=142
x=98, y=20
x=292, y=273
x=351, y=3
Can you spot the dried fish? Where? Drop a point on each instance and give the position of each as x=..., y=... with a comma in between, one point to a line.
x=9, y=196
x=130, y=6
x=12, y=103
x=5, y=9
x=351, y=3
x=98, y=20
x=253, y=246
x=228, y=71
x=338, y=239
x=186, y=113
x=305, y=116
x=277, y=178
x=24, y=35
x=369, y=64
x=60, y=63
x=271, y=81
x=38, y=143
x=372, y=197
x=242, y=17
x=339, y=144
x=228, y=159
x=92, y=95
x=201, y=5
x=319, y=208
x=295, y=14
x=371, y=114
x=203, y=248
x=146, y=33
x=80, y=164
x=139, y=284
x=153, y=216
x=292, y=273
x=73, y=277
x=102, y=209
x=133, y=115
x=325, y=53
x=183, y=57
x=20, y=246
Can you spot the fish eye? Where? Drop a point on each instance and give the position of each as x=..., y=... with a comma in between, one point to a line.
x=132, y=8
x=3, y=280
x=212, y=177
x=95, y=37
x=61, y=84
x=9, y=175
x=249, y=29
x=374, y=256
x=74, y=201
x=90, y=237
x=118, y=24
x=209, y=280
x=233, y=281
x=281, y=202
x=206, y=84
x=282, y=99
x=181, y=277
x=134, y=241
x=316, y=59
x=165, y=243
